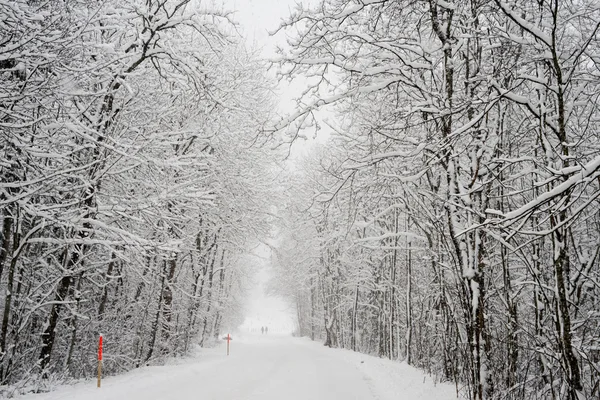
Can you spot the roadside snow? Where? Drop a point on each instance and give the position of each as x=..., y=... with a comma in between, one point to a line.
x=265, y=368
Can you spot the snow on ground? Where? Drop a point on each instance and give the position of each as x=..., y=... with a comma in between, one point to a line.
x=265, y=367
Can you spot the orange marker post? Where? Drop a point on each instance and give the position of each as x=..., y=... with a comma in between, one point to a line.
x=99, y=360
x=228, y=339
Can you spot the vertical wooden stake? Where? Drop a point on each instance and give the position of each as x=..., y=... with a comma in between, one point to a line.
x=228, y=338
x=99, y=372
x=99, y=360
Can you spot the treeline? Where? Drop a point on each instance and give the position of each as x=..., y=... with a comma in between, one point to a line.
x=452, y=219
x=129, y=186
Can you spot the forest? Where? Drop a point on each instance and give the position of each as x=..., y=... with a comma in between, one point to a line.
x=450, y=220
x=129, y=184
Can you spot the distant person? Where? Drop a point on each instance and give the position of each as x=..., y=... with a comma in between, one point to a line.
x=266, y=330
x=262, y=330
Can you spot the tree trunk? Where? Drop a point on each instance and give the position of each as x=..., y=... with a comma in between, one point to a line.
x=155, y=323
x=354, y=319
x=7, y=222
x=409, y=322
x=393, y=304
x=49, y=333
x=220, y=298
x=8, y=304
x=107, y=279
x=563, y=318
x=74, y=325
x=167, y=298
x=205, y=334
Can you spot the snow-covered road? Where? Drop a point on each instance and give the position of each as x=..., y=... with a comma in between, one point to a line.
x=265, y=368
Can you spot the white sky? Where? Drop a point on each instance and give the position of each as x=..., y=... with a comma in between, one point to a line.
x=256, y=19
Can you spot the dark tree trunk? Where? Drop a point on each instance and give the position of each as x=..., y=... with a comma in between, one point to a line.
x=73, y=340
x=107, y=279
x=155, y=322
x=167, y=304
x=8, y=304
x=7, y=221
x=210, y=294
x=49, y=333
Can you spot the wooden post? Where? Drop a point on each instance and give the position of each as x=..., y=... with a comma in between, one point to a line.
x=228, y=339
x=99, y=360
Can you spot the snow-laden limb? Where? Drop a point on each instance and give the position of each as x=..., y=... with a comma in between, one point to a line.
x=410, y=235
x=526, y=101
x=526, y=25
x=291, y=119
x=584, y=174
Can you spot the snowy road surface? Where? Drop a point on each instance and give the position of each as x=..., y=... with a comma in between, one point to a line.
x=265, y=368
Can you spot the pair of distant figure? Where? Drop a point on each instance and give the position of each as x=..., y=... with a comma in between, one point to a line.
x=264, y=330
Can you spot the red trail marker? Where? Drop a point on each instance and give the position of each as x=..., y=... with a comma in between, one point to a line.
x=99, y=360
